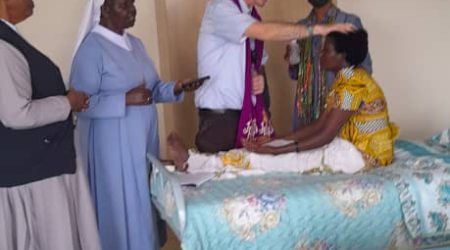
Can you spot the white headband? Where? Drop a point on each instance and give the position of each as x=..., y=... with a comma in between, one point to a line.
x=90, y=19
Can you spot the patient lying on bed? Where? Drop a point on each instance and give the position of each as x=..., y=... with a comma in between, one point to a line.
x=353, y=132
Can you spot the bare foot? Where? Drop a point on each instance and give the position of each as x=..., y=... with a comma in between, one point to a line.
x=178, y=152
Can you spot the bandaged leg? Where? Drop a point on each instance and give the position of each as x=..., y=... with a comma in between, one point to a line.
x=199, y=162
x=290, y=162
x=341, y=155
x=238, y=160
x=337, y=156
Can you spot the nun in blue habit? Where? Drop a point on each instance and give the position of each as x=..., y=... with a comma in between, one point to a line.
x=121, y=124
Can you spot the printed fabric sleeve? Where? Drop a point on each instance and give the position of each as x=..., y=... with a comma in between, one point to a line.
x=349, y=97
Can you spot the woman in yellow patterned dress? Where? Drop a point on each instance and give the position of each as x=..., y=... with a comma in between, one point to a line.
x=354, y=131
x=356, y=107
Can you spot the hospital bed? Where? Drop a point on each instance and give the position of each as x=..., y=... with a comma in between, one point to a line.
x=403, y=206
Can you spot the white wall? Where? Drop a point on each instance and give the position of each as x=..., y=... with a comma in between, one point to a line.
x=53, y=29
x=410, y=47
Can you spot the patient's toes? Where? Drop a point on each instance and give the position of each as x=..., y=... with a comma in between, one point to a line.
x=177, y=151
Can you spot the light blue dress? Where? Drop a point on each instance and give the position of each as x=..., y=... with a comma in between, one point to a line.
x=115, y=138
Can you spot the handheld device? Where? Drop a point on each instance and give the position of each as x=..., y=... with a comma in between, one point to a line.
x=195, y=83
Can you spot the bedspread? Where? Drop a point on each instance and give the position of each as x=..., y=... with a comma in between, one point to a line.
x=422, y=178
x=402, y=206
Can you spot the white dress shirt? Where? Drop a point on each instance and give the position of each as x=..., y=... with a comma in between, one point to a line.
x=221, y=55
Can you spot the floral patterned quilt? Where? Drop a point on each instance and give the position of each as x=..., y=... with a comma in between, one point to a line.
x=403, y=206
x=422, y=178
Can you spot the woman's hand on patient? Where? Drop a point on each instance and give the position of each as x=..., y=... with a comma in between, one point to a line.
x=260, y=140
x=257, y=147
x=79, y=101
x=139, y=96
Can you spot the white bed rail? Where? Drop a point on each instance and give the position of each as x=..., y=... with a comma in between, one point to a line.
x=167, y=196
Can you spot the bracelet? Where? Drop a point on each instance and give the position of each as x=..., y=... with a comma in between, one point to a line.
x=310, y=30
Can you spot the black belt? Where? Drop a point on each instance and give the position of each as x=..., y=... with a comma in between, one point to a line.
x=219, y=111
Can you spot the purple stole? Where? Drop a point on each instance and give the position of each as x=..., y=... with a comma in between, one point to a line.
x=254, y=120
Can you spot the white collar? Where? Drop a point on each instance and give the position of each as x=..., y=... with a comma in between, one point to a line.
x=244, y=7
x=122, y=41
x=12, y=26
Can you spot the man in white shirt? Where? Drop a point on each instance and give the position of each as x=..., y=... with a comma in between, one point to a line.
x=226, y=26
